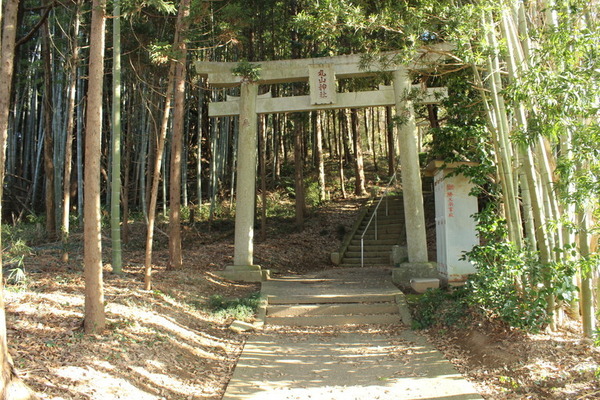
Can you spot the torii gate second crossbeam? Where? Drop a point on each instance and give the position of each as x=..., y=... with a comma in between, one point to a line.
x=322, y=73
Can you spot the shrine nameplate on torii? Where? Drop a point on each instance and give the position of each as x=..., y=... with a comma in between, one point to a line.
x=322, y=74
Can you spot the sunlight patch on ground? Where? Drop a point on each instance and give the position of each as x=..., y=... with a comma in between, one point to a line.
x=105, y=386
x=166, y=381
x=149, y=317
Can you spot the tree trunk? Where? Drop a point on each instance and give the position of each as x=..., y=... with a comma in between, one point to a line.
x=48, y=136
x=278, y=148
x=160, y=147
x=72, y=92
x=299, y=174
x=515, y=63
x=94, y=321
x=374, y=136
x=341, y=159
x=80, y=147
x=175, y=258
x=345, y=133
x=588, y=317
x=262, y=144
x=359, y=189
x=319, y=155
x=126, y=174
x=115, y=199
x=199, y=148
x=513, y=218
x=11, y=387
x=391, y=142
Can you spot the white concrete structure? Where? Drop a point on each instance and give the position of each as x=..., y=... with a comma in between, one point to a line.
x=455, y=226
x=321, y=73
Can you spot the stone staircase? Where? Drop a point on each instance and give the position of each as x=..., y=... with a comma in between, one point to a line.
x=390, y=232
x=334, y=298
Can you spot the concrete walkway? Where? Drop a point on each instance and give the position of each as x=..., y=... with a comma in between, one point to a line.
x=348, y=363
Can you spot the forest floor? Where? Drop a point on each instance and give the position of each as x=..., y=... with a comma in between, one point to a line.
x=167, y=343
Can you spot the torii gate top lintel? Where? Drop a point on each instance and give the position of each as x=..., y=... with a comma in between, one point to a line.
x=346, y=66
x=322, y=74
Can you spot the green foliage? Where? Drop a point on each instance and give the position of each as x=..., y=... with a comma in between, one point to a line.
x=312, y=194
x=438, y=307
x=134, y=7
x=342, y=26
x=247, y=71
x=221, y=210
x=185, y=213
x=279, y=203
x=16, y=273
x=511, y=284
x=239, y=308
x=14, y=259
x=160, y=52
x=17, y=237
x=597, y=343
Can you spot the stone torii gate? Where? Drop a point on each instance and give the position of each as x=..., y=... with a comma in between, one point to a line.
x=321, y=73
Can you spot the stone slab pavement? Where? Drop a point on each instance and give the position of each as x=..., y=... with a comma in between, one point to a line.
x=331, y=285
x=348, y=364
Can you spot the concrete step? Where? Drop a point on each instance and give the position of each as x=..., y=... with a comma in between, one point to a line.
x=332, y=299
x=382, y=265
x=379, y=242
x=370, y=247
x=390, y=219
x=335, y=320
x=306, y=310
x=387, y=225
x=385, y=229
x=380, y=236
x=368, y=254
x=392, y=213
x=367, y=260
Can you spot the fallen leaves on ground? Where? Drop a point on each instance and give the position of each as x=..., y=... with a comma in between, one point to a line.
x=165, y=343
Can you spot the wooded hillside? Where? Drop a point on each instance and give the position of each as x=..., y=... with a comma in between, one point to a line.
x=103, y=116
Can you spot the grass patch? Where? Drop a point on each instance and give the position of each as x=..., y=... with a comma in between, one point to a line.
x=242, y=309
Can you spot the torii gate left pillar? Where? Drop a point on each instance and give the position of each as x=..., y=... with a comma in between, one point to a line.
x=243, y=267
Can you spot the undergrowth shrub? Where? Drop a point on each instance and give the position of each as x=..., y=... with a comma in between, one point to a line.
x=512, y=284
x=279, y=204
x=439, y=307
x=312, y=194
x=239, y=308
x=16, y=240
x=509, y=285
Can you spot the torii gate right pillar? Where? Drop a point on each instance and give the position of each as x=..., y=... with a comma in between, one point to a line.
x=414, y=214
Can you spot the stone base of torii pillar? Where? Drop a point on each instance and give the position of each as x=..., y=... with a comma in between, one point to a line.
x=244, y=273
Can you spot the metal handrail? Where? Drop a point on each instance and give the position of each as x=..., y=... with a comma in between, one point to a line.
x=374, y=215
